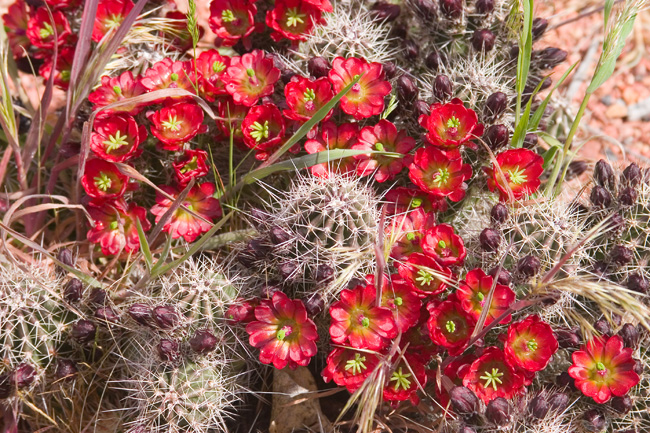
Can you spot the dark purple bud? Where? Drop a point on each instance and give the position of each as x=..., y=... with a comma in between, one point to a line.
x=530, y=141
x=496, y=137
x=463, y=400
x=386, y=12
x=165, y=316
x=594, y=421
x=324, y=273
x=407, y=91
x=24, y=375
x=529, y=266
x=258, y=248
x=318, y=67
x=567, y=338
x=621, y=405
x=637, y=283
x=422, y=107
x=538, y=407
x=490, y=240
x=483, y=40
x=630, y=335
x=425, y=8
x=355, y=282
x=638, y=367
x=107, y=314
x=621, y=255
x=549, y=57
x=203, y=342
x=73, y=290
x=286, y=75
x=168, y=350
x=484, y=7
x=66, y=369
x=466, y=429
x=503, y=277
x=628, y=196
x=631, y=175
x=84, y=331
x=442, y=88
x=495, y=105
x=499, y=213
x=390, y=70
x=141, y=313
x=279, y=235
x=600, y=267
x=411, y=49
x=514, y=52
x=576, y=168
x=498, y=412
x=7, y=385
x=604, y=175
x=560, y=401
x=433, y=61
x=451, y=8
x=288, y=270
x=314, y=304
x=97, y=297
x=603, y=327
x=600, y=197
x=539, y=28
x=65, y=256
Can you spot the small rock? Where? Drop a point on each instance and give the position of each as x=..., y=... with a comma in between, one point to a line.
x=616, y=111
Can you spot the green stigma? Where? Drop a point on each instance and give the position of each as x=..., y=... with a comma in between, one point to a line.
x=453, y=122
x=416, y=202
x=480, y=296
x=227, y=16
x=117, y=90
x=492, y=378
x=293, y=17
x=532, y=345
x=424, y=278
x=309, y=95
x=442, y=244
x=365, y=322
x=115, y=141
x=103, y=182
x=398, y=301
x=172, y=123
x=46, y=31
x=601, y=367
x=517, y=176
x=450, y=326
x=283, y=333
x=260, y=131
x=410, y=236
x=401, y=379
x=218, y=66
x=174, y=76
x=379, y=147
x=250, y=72
x=356, y=364
x=114, y=225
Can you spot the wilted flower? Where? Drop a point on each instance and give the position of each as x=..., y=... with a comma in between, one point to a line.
x=191, y=165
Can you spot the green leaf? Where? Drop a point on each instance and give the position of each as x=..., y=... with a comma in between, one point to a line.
x=525, y=47
x=144, y=245
x=539, y=113
x=163, y=254
x=522, y=125
x=556, y=146
x=608, y=64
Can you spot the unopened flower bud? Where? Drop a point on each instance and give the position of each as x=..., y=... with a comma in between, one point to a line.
x=314, y=304
x=637, y=283
x=495, y=105
x=503, y=277
x=421, y=107
x=7, y=385
x=600, y=197
x=318, y=67
x=168, y=350
x=411, y=49
x=484, y=7
x=107, y=314
x=258, y=248
x=621, y=255
x=407, y=91
x=483, y=40
x=549, y=57
x=638, y=367
x=203, y=341
x=496, y=137
x=498, y=412
x=530, y=141
x=603, y=327
x=324, y=273
x=286, y=75
x=628, y=196
x=463, y=400
x=73, y=290
x=631, y=175
x=279, y=235
x=576, y=168
x=65, y=256
x=66, y=369
x=433, y=61
x=390, y=70
x=594, y=421
x=538, y=407
x=165, y=316
x=84, y=331
x=288, y=270
x=630, y=335
x=425, y=8
x=385, y=12
x=451, y=8
x=622, y=404
x=604, y=175
x=442, y=88
x=529, y=266
x=539, y=28
x=615, y=223
x=560, y=400
x=567, y=338
x=24, y=375
x=499, y=213
x=141, y=313
x=490, y=240
x=98, y=297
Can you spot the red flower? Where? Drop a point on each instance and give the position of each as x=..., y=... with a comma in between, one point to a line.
x=384, y=137
x=323, y=5
x=402, y=199
x=292, y=19
x=334, y=137
x=357, y=319
x=440, y=174
x=167, y=74
x=441, y=243
x=397, y=296
x=211, y=66
x=114, y=89
x=41, y=31
x=61, y=4
x=250, y=77
x=242, y=311
x=283, y=332
x=176, y=124
x=425, y=275
x=450, y=326
x=182, y=223
x=455, y=371
x=234, y=115
x=451, y=125
x=62, y=70
x=305, y=97
x=366, y=98
x=405, y=232
x=103, y=180
x=232, y=20
x=604, y=367
x=192, y=165
x=530, y=344
x=473, y=291
x=263, y=129
x=407, y=377
x=15, y=25
x=110, y=14
x=519, y=173
x=117, y=137
x=490, y=376
x=115, y=228
x=348, y=367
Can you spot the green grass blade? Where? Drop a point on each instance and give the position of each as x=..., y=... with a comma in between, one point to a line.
x=537, y=116
x=144, y=245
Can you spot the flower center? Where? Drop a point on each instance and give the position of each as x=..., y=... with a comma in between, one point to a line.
x=356, y=87
x=441, y=177
x=424, y=278
x=532, y=345
x=379, y=147
x=65, y=76
x=260, y=131
x=113, y=21
x=364, y=321
x=492, y=378
x=416, y=202
x=442, y=244
x=172, y=123
x=293, y=17
x=401, y=379
x=174, y=76
x=451, y=326
x=117, y=90
x=46, y=31
x=517, y=176
x=103, y=182
x=250, y=72
x=227, y=16
x=309, y=95
x=480, y=296
x=410, y=236
x=602, y=370
x=218, y=67
x=115, y=141
x=356, y=364
x=398, y=301
x=191, y=165
x=284, y=332
x=113, y=225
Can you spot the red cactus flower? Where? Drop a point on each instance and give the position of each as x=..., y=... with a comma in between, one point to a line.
x=117, y=137
x=441, y=243
x=263, y=129
x=305, y=97
x=334, y=137
x=41, y=30
x=110, y=14
x=402, y=199
x=455, y=371
x=62, y=70
x=242, y=310
x=398, y=296
x=292, y=19
x=384, y=137
x=115, y=229
x=603, y=368
x=357, y=319
x=167, y=74
x=283, y=332
x=418, y=339
x=530, y=344
x=232, y=20
x=200, y=200
x=519, y=173
x=450, y=326
x=115, y=89
x=348, y=367
x=323, y=5
x=440, y=174
x=191, y=165
x=473, y=291
x=424, y=275
x=176, y=124
x=62, y=4
x=15, y=24
x=103, y=180
x=234, y=115
x=211, y=66
x=366, y=98
x=405, y=232
x=490, y=376
x=250, y=77
x=451, y=125
x=407, y=377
